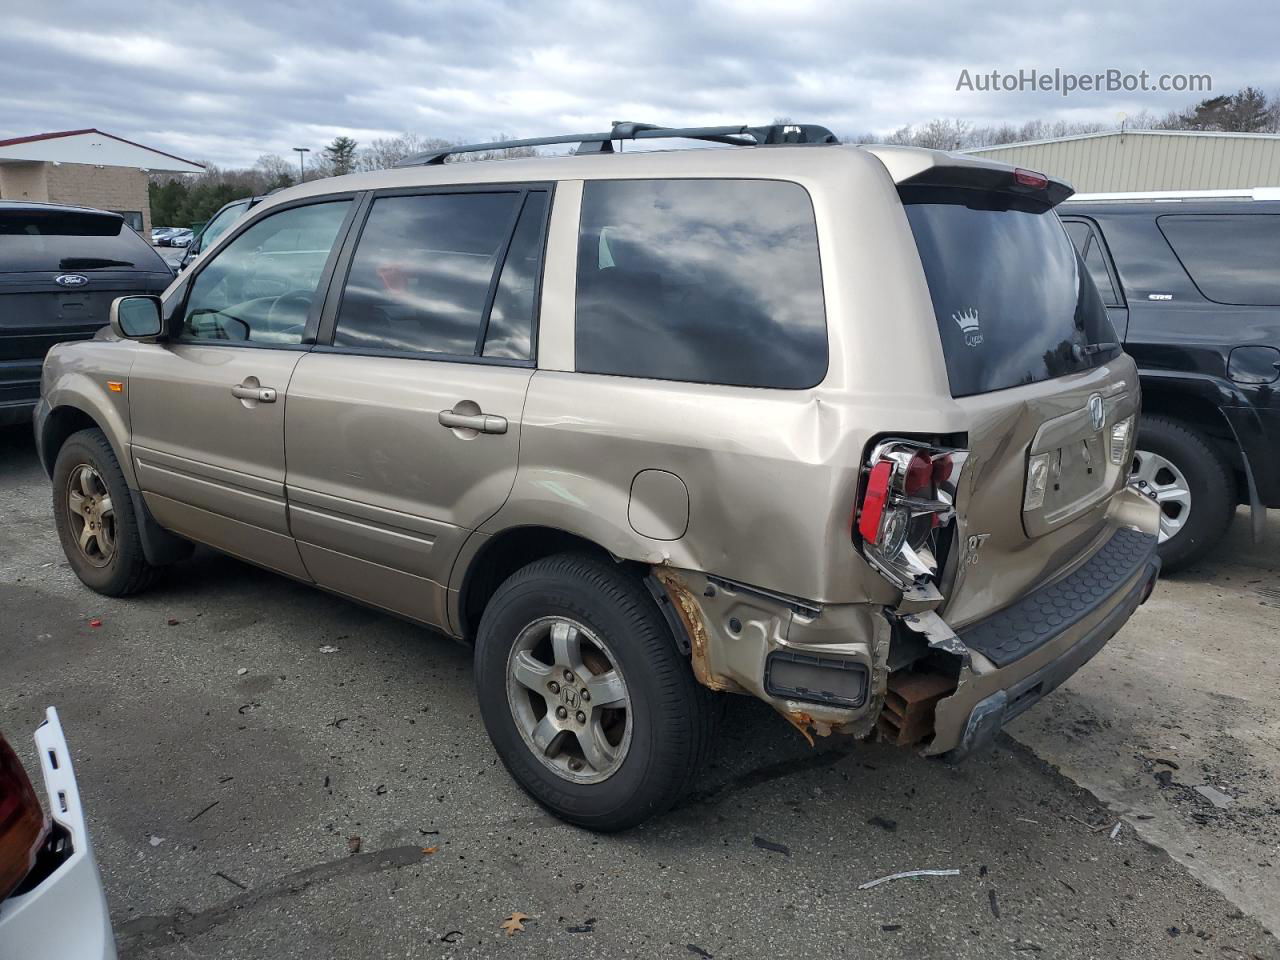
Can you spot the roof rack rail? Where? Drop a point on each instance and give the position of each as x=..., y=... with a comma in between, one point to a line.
x=777, y=133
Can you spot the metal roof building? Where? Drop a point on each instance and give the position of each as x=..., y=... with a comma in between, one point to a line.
x=1144, y=160
x=86, y=168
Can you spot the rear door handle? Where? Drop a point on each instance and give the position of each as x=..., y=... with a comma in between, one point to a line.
x=261, y=394
x=480, y=422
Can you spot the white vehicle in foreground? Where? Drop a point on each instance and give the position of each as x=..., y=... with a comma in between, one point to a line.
x=51, y=902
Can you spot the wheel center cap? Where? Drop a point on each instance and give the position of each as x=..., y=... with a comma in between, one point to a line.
x=569, y=696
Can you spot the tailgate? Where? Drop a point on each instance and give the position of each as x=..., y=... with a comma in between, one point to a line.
x=1034, y=363
x=1005, y=547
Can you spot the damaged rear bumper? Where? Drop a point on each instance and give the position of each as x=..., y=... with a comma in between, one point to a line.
x=970, y=719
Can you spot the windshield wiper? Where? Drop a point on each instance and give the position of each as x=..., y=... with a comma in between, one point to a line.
x=91, y=263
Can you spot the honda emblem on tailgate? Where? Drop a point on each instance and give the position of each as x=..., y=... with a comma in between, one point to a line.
x=1097, y=413
x=71, y=280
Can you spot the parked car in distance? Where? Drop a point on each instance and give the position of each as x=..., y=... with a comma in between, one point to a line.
x=1192, y=283
x=644, y=426
x=179, y=238
x=60, y=268
x=160, y=235
x=51, y=902
x=216, y=226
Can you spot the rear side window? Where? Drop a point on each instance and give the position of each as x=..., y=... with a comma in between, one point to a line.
x=446, y=274
x=707, y=281
x=1089, y=245
x=60, y=240
x=1232, y=258
x=1011, y=302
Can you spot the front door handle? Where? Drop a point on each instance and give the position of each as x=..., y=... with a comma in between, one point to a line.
x=480, y=422
x=246, y=391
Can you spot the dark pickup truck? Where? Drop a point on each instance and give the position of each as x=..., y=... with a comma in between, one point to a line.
x=1192, y=284
x=60, y=268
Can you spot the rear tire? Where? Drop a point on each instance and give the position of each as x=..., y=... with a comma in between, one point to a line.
x=93, y=512
x=1173, y=457
x=605, y=768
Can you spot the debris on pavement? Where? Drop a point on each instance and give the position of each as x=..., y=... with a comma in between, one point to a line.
x=995, y=903
x=155, y=841
x=451, y=937
x=353, y=845
x=515, y=923
x=242, y=671
x=884, y=823
x=173, y=621
x=1115, y=831
x=1215, y=796
x=204, y=811
x=908, y=873
x=428, y=851
x=231, y=880
x=95, y=622
x=586, y=926
x=765, y=844
x=328, y=649
x=697, y=951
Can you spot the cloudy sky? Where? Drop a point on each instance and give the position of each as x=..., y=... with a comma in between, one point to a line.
x=231, y=80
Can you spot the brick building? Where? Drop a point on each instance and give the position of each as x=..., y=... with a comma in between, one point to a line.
x=88, y=168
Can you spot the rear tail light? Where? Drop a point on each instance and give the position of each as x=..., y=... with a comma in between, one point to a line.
x=22, y=822
x=909, y=492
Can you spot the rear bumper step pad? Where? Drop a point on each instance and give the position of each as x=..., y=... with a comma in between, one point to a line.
x=1033, y=621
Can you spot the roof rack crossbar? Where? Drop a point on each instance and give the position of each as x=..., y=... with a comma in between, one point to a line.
x=603, y=142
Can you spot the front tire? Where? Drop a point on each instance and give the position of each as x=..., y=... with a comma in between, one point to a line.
x=94, y=515
x=1195, y=488
x=588, y=702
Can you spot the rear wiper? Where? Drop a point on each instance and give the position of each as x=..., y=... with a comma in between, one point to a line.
x=1090, y=349
x=91, y=263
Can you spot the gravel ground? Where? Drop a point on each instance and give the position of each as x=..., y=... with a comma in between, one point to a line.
x=223, y=804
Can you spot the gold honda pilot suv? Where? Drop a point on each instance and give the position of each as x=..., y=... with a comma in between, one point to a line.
x=844, y=428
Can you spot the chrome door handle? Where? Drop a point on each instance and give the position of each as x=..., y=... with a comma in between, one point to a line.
x=480, y=422
x=261, y=394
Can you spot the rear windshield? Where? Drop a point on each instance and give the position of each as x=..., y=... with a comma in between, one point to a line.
x=1012, y=303
x=1233, y=258
x=52, y=240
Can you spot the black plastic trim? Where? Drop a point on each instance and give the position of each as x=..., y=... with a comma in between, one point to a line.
x=1039, y=617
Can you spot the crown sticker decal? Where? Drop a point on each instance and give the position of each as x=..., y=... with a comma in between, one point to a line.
x=967, y=320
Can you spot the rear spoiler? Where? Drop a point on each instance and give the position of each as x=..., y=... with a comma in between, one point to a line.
x=925, y=175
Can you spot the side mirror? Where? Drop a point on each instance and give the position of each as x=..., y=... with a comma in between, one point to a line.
x=136, y=318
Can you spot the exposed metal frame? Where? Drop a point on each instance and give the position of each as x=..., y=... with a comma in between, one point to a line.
x=741, y=136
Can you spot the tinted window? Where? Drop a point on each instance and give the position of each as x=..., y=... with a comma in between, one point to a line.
x=53, y=240
x=1232, y=258
x=422, y=270
x=260, y=286
x=1089, y=246
x=510, y=330
x=710, y=281
x=1011, y=302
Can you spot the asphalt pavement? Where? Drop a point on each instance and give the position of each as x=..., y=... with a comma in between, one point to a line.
x=252, y=795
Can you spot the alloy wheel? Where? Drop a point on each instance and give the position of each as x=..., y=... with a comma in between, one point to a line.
x=569, y=699
x=1170, y=487
x=91, y=514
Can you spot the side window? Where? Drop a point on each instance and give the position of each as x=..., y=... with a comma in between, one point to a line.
x=424, y=277
x=1232, y=258
x=707, y=281
x=1089, y=245
x=219, y=224
x=260, y=286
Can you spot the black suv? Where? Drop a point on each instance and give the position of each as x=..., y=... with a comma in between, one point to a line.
x=60, y=268
x=1192, y=283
